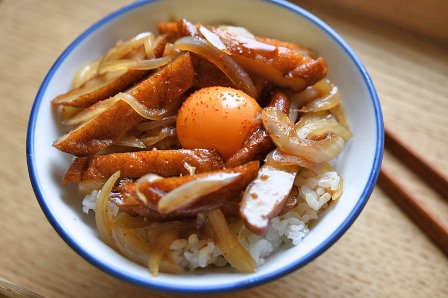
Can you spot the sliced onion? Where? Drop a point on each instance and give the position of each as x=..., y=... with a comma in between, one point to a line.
x=148, y=178
x=130, y=244
x=149, y=45
x=152, y=114
x=87, y=186
x=298, y=100
x=158, y=249
x=237, y=75
x=283, y=134
x=130, y=141
x=328, y=99
x=315, y=128
x=228, y=243
x=277, y=157
x=189, y=192
x=241, y=31
x=164, y=133
x=121, y=49
x=91, y=112
x=191, y=170
x=85, y=73
x=90, y=86
x=148, y=126
x=102, y=217
x=133, y=64
x=213, y=39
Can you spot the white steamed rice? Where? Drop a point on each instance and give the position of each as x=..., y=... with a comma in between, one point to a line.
x=288, y=229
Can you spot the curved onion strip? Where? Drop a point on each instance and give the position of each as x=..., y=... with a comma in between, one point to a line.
x=102, y=217
x=87, y=186
x=133, y=64
x=130, y=244
x=85, y=73
x=99, y=107
x=158, y=250
x=130, y=141
x=125, y=220
x=121, y=49
x=148, y=178
x=213, y=39
x=152, y=114
x=241, y=31
x=276, y=157
x=319, y=127
x=147, y=126
x=164, y=133
x=189, y=192
x=228, y=243
x=90, y=86
x=339, y=112
x=91, y=112
x=237, y=75
x=329, y=97
x=148, y=44
x=298, y=100
x=283, y=134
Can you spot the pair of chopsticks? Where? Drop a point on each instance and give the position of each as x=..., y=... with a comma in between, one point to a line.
x=415, y=209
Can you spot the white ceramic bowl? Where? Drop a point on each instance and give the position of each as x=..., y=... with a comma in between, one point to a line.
x=359, y=164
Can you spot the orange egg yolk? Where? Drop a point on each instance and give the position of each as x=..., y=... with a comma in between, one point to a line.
x=218, y=118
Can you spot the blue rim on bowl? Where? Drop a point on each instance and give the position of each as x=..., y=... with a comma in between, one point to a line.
x=154, y=284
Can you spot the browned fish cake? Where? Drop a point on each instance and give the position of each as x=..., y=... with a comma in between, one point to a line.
x=164, y=163
x=155, y=92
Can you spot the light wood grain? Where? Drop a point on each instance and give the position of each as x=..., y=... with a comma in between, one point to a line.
x=382, y=254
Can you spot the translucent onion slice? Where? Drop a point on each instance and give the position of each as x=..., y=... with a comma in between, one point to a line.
x=152, y=114
x=148, y=178
x=121, y=49
x=130, y=141
x=85, y=73
x=276, y=157
x=228, y=243
x=87, y=186
x=213, y=39
x=99, y=107
x=321, y=127
x=102, y=217
x=90, y=86
x=189, y=192
x=148, y=126
x=329, y=97
x=158, y=249
x=133, y=64
x=283, y=134
x=164, y=133
x=241, y=31
x=130, y=244
x=237, y=75
x=91, y=112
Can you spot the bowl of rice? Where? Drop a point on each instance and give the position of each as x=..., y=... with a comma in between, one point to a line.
x=326, y=203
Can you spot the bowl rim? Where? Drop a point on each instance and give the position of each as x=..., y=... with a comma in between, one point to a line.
x=249, y=282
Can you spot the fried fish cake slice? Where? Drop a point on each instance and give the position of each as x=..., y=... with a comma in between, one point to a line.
x=103, y=86
x=278, y=62
x=259, y=143
x=165, y=163
x=155, y=190
x=157, y=91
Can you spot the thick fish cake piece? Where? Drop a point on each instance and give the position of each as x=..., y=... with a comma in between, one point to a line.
x=103, y=86
x=165, y=163
x=155, y=92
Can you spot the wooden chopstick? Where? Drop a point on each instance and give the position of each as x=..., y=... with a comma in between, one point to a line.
x=415, y=209
x=437, y=180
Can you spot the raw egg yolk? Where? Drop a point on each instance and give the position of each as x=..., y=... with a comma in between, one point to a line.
x=218, y=118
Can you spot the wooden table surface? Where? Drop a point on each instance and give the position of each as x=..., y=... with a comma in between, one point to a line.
x=382, y=254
